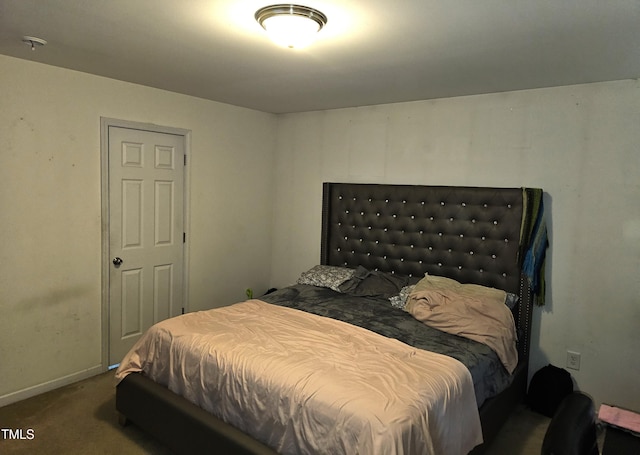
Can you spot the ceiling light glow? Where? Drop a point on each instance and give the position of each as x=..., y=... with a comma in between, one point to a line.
x=292, y=26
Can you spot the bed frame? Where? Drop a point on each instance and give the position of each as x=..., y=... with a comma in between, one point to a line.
x=469, y=234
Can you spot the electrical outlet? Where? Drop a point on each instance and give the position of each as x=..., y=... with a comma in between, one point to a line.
x=573, y=360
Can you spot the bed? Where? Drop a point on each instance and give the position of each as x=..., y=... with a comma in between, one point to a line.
x=468, y=234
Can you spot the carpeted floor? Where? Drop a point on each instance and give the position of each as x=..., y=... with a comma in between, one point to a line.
x=81, y=419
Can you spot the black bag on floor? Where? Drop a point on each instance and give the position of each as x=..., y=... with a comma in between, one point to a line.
x=549, y=386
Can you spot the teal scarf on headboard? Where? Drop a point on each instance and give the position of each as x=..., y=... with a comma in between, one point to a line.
x=534, y=242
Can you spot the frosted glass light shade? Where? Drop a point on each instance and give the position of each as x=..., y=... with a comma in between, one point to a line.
x=291, y=31
x=292, y=26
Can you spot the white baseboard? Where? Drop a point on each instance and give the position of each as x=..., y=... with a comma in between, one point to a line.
x=29, y=392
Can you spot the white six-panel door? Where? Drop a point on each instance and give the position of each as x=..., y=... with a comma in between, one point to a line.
x=146, y=218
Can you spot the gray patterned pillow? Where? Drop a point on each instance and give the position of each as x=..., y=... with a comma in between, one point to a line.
x=511, y=300
x=400, y=300
x=326, y=276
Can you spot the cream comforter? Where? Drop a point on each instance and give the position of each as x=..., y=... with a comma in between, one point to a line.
x=303, y=383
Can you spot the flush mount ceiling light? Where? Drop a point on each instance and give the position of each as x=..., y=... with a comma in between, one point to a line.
x=292, y=26
x=33, y=42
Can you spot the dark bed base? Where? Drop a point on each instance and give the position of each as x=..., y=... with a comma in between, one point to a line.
x=468, y=234
x=179, y=424
x=187, y=429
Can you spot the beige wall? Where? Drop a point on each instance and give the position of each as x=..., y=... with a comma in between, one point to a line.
x=50, y=252
x=579, y=143
x=255, y=205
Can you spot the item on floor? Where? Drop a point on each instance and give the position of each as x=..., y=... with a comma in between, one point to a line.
x=548, y=387
x=572, y=430
x=623, y=430
x=618, y=442
x=622, y=418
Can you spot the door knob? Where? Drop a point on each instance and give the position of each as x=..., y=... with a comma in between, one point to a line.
x=117, y=261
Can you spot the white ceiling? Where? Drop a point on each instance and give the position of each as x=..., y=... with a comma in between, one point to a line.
x=370, y=52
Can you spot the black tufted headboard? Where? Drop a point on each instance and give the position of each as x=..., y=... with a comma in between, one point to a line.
x=469, y=234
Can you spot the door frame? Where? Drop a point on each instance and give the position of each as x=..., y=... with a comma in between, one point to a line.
x=105, y=123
